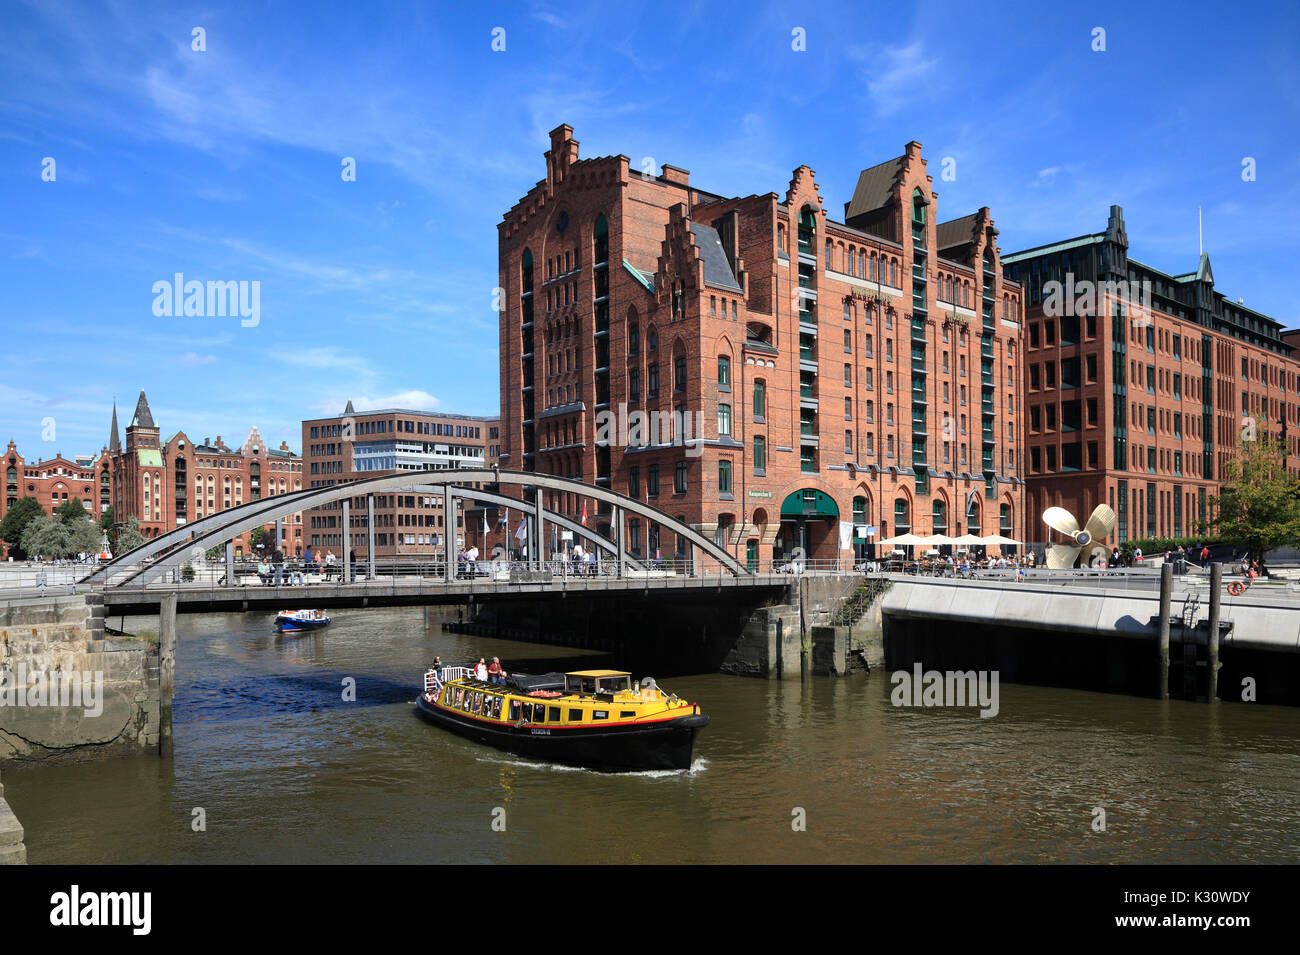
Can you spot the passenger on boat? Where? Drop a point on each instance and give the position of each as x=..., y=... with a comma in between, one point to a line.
x=481, y=671
x=495, y=673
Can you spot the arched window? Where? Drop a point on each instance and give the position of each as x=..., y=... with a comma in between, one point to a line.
x=830, y=254
x=633, y=340
x=902, y=516
x=939, y=517
x=807, y=229
x=724, y=371
x=862, y=264
x=873, y=268
x=973, y=523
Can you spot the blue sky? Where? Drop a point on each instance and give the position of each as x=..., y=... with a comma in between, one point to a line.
x=225, y=165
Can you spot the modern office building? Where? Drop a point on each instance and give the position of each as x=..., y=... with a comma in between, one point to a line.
x=355, y=445
x=772, y=375
x=1139, y=385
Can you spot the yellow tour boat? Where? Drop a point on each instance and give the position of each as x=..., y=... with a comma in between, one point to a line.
x=598, y=719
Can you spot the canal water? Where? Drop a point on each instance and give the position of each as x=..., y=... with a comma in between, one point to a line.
x=285, y=770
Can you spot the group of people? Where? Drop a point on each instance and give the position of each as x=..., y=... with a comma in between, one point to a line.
x=485, y=672
x=272, y=570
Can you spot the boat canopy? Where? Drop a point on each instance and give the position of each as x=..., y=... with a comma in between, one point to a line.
x=588, y=682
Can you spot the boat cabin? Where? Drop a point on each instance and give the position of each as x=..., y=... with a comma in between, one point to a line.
x=597, y=682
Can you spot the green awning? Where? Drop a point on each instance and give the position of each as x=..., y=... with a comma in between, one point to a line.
x=809, y=503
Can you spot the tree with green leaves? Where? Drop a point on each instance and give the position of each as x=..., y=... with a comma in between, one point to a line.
x=23, y=512
x=106, y=521
x=86, y=536
x=71, y=510
x=129, y=537
x=47, y=537
x=1259, y=507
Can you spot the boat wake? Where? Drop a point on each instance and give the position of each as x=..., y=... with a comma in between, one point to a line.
x=698, y=765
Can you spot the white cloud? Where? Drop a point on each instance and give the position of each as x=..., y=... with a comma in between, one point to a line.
x=414, y=399
x=193, y=359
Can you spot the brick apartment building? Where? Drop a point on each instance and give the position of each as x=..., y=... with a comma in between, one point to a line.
x=356, y=445
x=831, y=377
x=1137, y=399
x=55, y=481
x=165, y=484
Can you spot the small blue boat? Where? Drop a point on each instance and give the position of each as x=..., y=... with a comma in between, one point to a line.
x=288, y=621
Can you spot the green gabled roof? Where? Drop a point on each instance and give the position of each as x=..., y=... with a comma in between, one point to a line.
x=1080, y=242
x=645, y=278
x=149, y=457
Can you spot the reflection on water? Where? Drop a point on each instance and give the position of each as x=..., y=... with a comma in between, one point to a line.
x=287, y=770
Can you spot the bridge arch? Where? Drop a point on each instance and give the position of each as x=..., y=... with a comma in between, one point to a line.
x=172, y=549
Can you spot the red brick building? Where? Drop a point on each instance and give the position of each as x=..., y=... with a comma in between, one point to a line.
x=356, y=445
x=166, y=484
x=1139, y=385
x=825, y=377
x=56, y=481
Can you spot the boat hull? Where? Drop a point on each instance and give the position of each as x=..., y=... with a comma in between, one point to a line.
x=296, y=626
x=614, y=748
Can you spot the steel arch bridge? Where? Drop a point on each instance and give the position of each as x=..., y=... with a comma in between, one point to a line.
x=169, y=551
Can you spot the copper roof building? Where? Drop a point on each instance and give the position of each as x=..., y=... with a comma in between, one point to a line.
x=1140, y=385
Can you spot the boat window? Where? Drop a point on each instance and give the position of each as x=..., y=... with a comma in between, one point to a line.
x=478, y=702
x=627, y=714
x=515, y=710
x=575, y=716
x=528, y=712
x=496, y=707
x=600, y=714
x=487, y=706
x=539, y=713
x=553, y=716
x=612, y=684
x=588, y=684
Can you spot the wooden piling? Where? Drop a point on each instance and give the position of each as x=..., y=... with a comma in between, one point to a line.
x=1212, y=641
x=166, y=670
x=1166, y=596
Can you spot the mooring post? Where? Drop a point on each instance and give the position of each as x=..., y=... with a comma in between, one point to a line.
x=1216, y=591
x=166, y=670
x=230, y=563
x=370, y=538
x=1166, y=595
x=348, y=569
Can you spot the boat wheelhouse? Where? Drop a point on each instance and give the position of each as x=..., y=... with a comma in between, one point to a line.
x=598, y=719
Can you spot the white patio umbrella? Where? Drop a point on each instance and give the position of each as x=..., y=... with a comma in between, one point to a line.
x=902, y=540
x=999, y=539
x=968, y=540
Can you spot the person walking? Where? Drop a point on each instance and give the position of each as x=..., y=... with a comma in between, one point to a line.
x=352, y=562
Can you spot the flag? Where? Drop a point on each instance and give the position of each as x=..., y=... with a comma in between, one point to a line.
x=504, y=522
x=522, y=532
x=584, y=513
x=485, y=527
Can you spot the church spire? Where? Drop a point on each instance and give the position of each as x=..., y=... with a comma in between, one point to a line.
x=114, y=445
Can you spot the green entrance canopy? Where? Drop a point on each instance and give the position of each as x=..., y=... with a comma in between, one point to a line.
x=809, y=503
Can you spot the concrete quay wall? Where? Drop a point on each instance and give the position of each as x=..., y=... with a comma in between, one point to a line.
x=68, y=693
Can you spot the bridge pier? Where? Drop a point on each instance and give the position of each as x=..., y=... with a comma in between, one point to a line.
x=230, y=563
x=347, y=540
x=1216, y=599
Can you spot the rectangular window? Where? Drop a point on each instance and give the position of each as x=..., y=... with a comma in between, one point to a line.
x=724, y=477
x=679, y=477
x=760, y=455
x=724, y=420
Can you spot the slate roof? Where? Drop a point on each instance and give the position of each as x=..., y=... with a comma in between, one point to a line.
x=955, y=231
x=875, y=188
x=717, y=269
x=143, y=418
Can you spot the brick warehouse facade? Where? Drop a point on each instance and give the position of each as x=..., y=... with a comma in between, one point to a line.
x=356, y=445
x=824, y=373
x=1138, y=400
x=166, y=484
x=55, y=481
